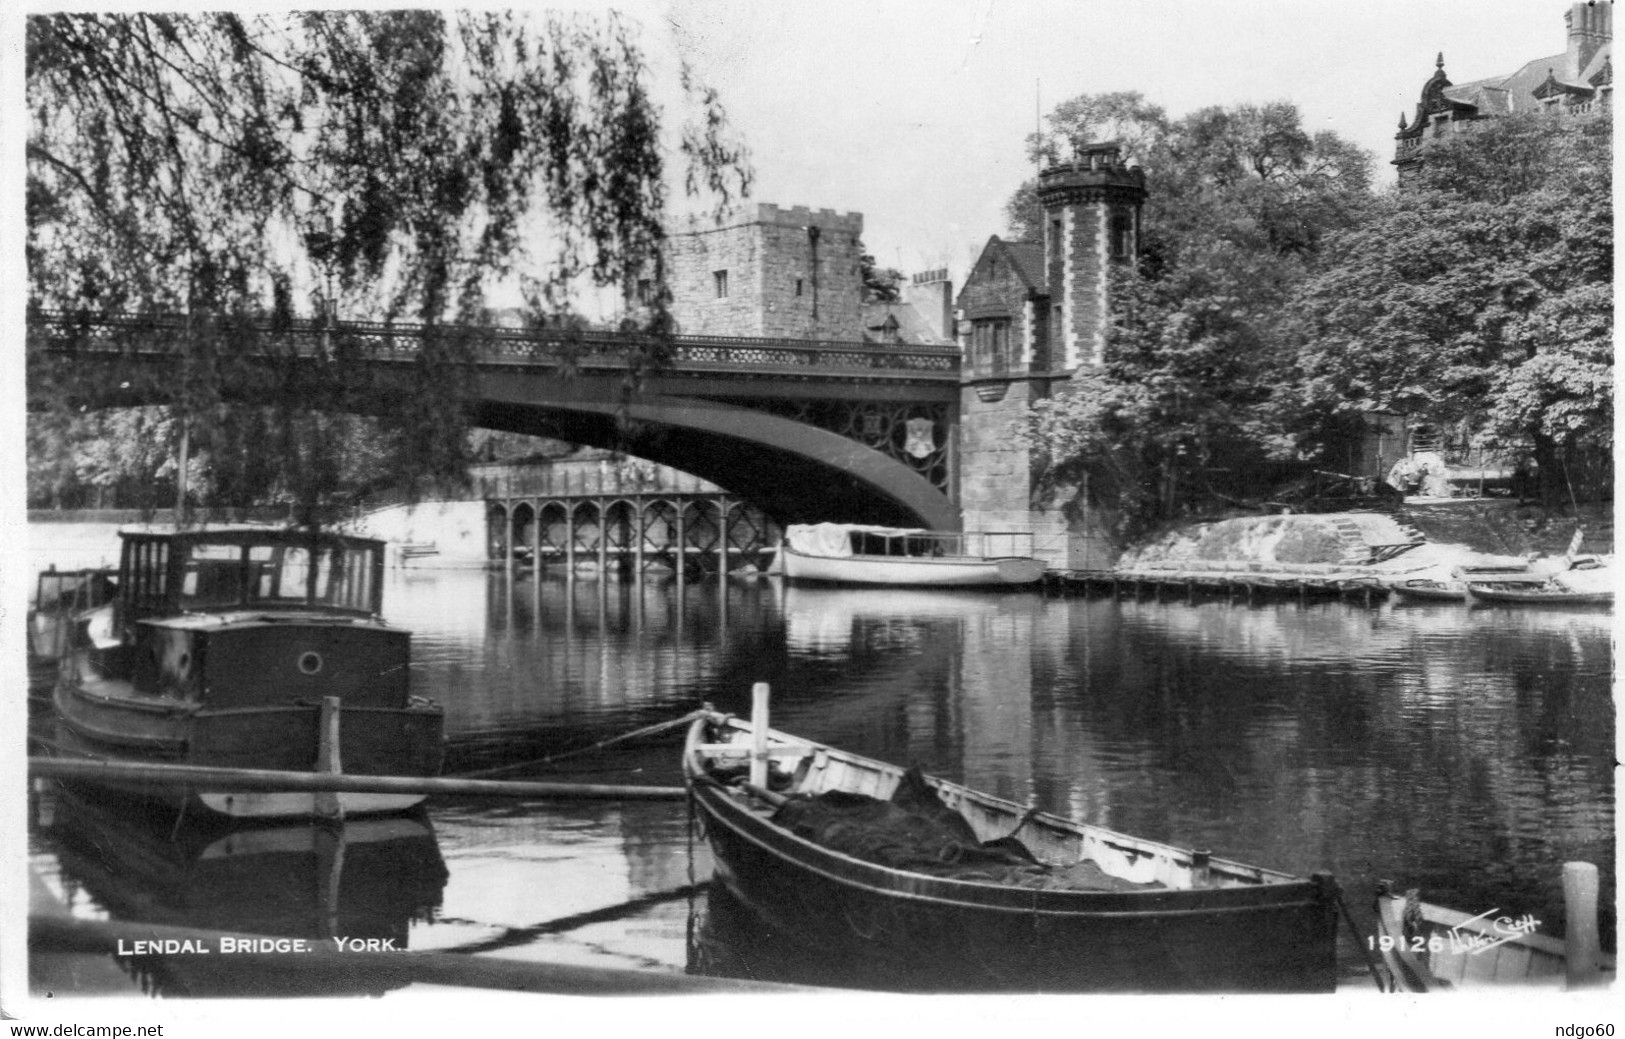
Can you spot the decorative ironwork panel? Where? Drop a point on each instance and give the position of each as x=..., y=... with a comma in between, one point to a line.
x=915, y=434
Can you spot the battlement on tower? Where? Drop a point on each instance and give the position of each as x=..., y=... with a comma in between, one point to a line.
x=803, y=216
x=1095, y=166
x=761, y=269
x=798, y=217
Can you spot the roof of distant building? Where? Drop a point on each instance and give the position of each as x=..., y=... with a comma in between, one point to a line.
x=907, y=325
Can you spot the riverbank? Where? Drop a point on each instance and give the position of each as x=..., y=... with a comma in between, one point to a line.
x=1446, y=532
x=1422, y=532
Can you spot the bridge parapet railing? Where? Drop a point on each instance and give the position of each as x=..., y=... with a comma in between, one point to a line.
x=387, y=341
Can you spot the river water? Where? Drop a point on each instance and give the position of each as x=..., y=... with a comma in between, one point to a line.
x=1464, y=753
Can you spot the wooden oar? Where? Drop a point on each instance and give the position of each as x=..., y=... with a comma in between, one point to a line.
x=267, y=779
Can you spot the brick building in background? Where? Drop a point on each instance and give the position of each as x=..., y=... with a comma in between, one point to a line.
x=1574, y=81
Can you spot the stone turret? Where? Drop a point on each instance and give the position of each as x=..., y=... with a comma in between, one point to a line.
x=1091, y=221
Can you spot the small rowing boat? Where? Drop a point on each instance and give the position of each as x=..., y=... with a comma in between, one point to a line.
x=847, y=553
x=1430, y=948
x=984, y=894
x=1423, y=589
x=1543, y=595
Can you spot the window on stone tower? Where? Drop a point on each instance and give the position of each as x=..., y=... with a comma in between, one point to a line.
x=721, y=279
x=1122, y=236
x=643, y=291
x=798, y=286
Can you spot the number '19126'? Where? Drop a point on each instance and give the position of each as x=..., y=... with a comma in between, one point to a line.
x=1414, y=943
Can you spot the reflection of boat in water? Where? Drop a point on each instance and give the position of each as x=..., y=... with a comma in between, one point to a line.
x=845, y=553
x=367, y=878
x=249, y=647
x=831, y=619
x=1031, y=901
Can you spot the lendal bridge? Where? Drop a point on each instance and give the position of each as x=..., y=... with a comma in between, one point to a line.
x=807, y=430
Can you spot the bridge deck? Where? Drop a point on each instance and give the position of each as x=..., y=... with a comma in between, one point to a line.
x=153, y=334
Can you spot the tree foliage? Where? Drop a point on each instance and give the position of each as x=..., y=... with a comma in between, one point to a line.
x=1240, y=200
x=374, y=165
x=1479, y=296
x=880, y=284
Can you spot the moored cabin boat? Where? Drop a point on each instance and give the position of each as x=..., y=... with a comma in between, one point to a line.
x=850, y=553
x=59, y=596
x=255, y=648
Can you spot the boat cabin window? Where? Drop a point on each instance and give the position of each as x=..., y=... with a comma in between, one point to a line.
x=900, y=543
x=224, y=576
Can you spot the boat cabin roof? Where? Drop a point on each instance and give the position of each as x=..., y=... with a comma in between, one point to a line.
x=245, y=534
x=860, y=528
x=166, y=571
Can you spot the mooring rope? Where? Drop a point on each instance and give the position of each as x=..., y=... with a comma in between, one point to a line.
x=1354, y=933
x=647, y=730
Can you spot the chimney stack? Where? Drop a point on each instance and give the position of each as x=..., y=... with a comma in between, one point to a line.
x=1591, y=27
x=932, y=295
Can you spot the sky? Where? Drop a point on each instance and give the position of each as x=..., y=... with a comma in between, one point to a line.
x=914, y=112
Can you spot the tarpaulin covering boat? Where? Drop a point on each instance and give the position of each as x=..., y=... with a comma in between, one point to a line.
x=980, y=893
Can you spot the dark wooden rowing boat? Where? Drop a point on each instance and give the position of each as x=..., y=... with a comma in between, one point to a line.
x=254, y=648
x=1161, y=918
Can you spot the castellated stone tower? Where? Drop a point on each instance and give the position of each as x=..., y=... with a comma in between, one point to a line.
x=1091, y=220
x=765, y=271
x=1031, y=315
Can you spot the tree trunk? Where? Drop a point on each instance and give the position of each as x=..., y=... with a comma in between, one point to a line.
x=1549, y=471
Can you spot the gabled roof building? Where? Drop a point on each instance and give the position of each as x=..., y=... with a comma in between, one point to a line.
x=1574, y=81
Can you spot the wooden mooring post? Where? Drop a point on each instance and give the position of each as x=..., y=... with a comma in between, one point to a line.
x=328, y=761
x=1582, y=950
x=758, y=734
